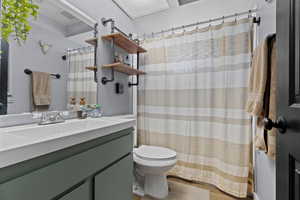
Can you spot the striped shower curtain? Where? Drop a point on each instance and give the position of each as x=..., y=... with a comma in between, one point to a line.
x=81, y=82
x=193, y=98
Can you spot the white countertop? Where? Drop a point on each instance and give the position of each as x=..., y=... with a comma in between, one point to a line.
x=21, y=143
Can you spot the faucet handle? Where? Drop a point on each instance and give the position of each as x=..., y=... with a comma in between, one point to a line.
x=52, y=117
x=44, y=116
x=58, y=117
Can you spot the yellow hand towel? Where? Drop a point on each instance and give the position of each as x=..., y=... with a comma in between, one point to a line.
x=258, y=81
x=262, y=93
x=41, y=88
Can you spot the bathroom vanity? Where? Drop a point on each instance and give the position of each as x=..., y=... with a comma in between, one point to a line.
x=77, y=160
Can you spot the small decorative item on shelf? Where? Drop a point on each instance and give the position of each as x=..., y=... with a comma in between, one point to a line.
x=73, y=101
x=127, y=60
x=96, y=111
x=81, y=114
x=118, y=58
x=72, y=104
x=82, y=101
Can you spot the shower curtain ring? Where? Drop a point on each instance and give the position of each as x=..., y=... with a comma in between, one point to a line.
x=197, y=26
x=250, y=14
x=210, y=22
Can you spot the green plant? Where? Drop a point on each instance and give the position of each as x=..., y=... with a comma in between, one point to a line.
x=14, y=19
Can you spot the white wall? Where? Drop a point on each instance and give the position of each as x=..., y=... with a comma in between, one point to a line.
x=30, y=56
x=191, y=13
x=265, y=168
x=112, y=103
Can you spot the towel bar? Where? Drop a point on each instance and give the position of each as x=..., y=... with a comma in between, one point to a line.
x=28, y=72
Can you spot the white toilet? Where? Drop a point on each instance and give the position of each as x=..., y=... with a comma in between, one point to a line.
x=151, y=165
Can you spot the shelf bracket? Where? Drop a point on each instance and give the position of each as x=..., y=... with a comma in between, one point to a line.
x=96, y=52
x=134, y=84
x=105, y=80
x=111, y=20
x=114, y=27
x=137, y=76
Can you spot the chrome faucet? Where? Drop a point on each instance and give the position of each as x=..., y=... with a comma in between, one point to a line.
x=51, y=118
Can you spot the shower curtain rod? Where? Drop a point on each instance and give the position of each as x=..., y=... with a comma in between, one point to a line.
x=64, y=57
x=250, y=12
x=81, y=48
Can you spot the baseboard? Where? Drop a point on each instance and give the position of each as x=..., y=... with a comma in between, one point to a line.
x=255, y=196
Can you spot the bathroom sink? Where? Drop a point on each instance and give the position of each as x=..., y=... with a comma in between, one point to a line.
x=57, y=130
x=10, y=141
x=69, y=127
x=21, y=143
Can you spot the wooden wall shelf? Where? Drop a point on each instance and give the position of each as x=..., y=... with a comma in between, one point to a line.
x=123, y=68
x=91, y=41
x=92, y=68
x=121, y=41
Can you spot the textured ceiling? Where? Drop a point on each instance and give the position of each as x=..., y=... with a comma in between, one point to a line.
x=49, y=10
x=183, y=2
x=139, y=8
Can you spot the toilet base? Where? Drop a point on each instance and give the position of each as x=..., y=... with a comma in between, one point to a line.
x=156, y=186
x=138, y=190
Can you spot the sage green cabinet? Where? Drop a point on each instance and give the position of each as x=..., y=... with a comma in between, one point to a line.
x=115, y=183
x=82, y=192
x=88, y=171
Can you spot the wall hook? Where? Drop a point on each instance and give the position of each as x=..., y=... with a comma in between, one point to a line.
x=183, y=27
x=257, y=20
x=197, y=26
x=236, y=17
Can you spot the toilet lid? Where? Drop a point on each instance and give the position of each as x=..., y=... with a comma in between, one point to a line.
x=155, y=153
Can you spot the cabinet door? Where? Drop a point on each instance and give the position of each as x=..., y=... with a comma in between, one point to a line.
x=52, y=180
x=115, y=183
x=80, y=193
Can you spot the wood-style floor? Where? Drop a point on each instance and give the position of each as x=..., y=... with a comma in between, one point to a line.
x=215, y=194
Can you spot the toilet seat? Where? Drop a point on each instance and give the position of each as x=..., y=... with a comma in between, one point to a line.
x=154, y=156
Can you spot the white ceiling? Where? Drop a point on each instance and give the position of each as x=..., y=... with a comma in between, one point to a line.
x=183, y=2
x=53, y=15
x=139, y=8
x=50, y=10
